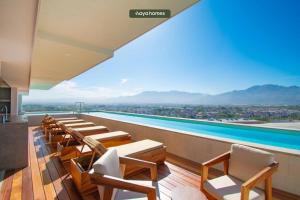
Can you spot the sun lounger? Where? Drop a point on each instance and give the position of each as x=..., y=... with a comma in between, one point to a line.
x=145, y=149
x=78, y=125
x=55, y=128
x=73, y=145
x=74, y=136
x=58, y=134
x=72, y=121
x=51, y=120
x=72, y=149
x=90, y=130
x=148, y=150
x=64, y=118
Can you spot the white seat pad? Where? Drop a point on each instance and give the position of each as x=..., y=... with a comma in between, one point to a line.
x=229, y=188
x=110, y=135
x=138, y=147
x=90, y=128
x=79, y=124
x=71, y=121
x=65, y=118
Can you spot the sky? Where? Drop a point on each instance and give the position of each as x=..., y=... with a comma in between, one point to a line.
x=212, y=47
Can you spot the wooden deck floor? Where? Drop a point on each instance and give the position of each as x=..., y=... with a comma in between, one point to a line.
x=47, y=178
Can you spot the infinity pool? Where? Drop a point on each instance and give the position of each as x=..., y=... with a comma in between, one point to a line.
x=273, y=137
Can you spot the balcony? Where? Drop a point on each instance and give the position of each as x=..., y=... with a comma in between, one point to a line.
x=46, y=42
x=46, y=177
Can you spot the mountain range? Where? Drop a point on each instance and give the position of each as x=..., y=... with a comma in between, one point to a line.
x=256, y=95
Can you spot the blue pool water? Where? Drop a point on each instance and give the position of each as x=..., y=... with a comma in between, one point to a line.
x=274, y=137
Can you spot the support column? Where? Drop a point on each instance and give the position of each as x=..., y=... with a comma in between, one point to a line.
x=14, y=101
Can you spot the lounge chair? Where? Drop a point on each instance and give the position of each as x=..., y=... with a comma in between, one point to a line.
x=47, y=120
x=147, y=150
x=71, y=121
x=245, y=169
x=54, y=127
x=64, y=118
x=111, y=186
x=77, y=125
x=50, y=120
x=57, y=134
x=74, y=146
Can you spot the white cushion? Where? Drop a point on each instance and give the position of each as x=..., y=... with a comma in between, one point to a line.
x=229, y=188
x=138, y=147
x=108, y=164
x=245, y=161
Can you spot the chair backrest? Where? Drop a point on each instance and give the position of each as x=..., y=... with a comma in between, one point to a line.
x=108, y=164
x=76, y=134
x=61, y=125
x=246, y=161
x=67, y=130
x=94, y=145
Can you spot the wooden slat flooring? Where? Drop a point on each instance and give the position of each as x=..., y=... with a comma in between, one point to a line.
x=47, y=178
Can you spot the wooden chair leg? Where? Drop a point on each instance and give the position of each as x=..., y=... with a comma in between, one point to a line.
x=92, y=159
x=204, y=176
x=152, y=195
x=226, y=167
x=268, y=188
x=153, y=173
x=107, y=193
x=245, y=193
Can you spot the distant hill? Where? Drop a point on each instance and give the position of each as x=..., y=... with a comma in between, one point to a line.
x=256, y=95
x=154, y=97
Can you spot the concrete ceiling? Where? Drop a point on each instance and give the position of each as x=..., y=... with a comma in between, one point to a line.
x=17, y=22
x=75, y=35
x=70, y=36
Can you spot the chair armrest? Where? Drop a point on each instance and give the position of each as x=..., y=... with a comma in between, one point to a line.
x=141, y=163
x=218, y=159
x=100, y=179
x=260, y=176
x=205, y=166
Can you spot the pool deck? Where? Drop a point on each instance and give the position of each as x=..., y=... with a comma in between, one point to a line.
x=47, y=178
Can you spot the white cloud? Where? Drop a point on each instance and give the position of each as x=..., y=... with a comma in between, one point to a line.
x=70, y=91
x=124, y=81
